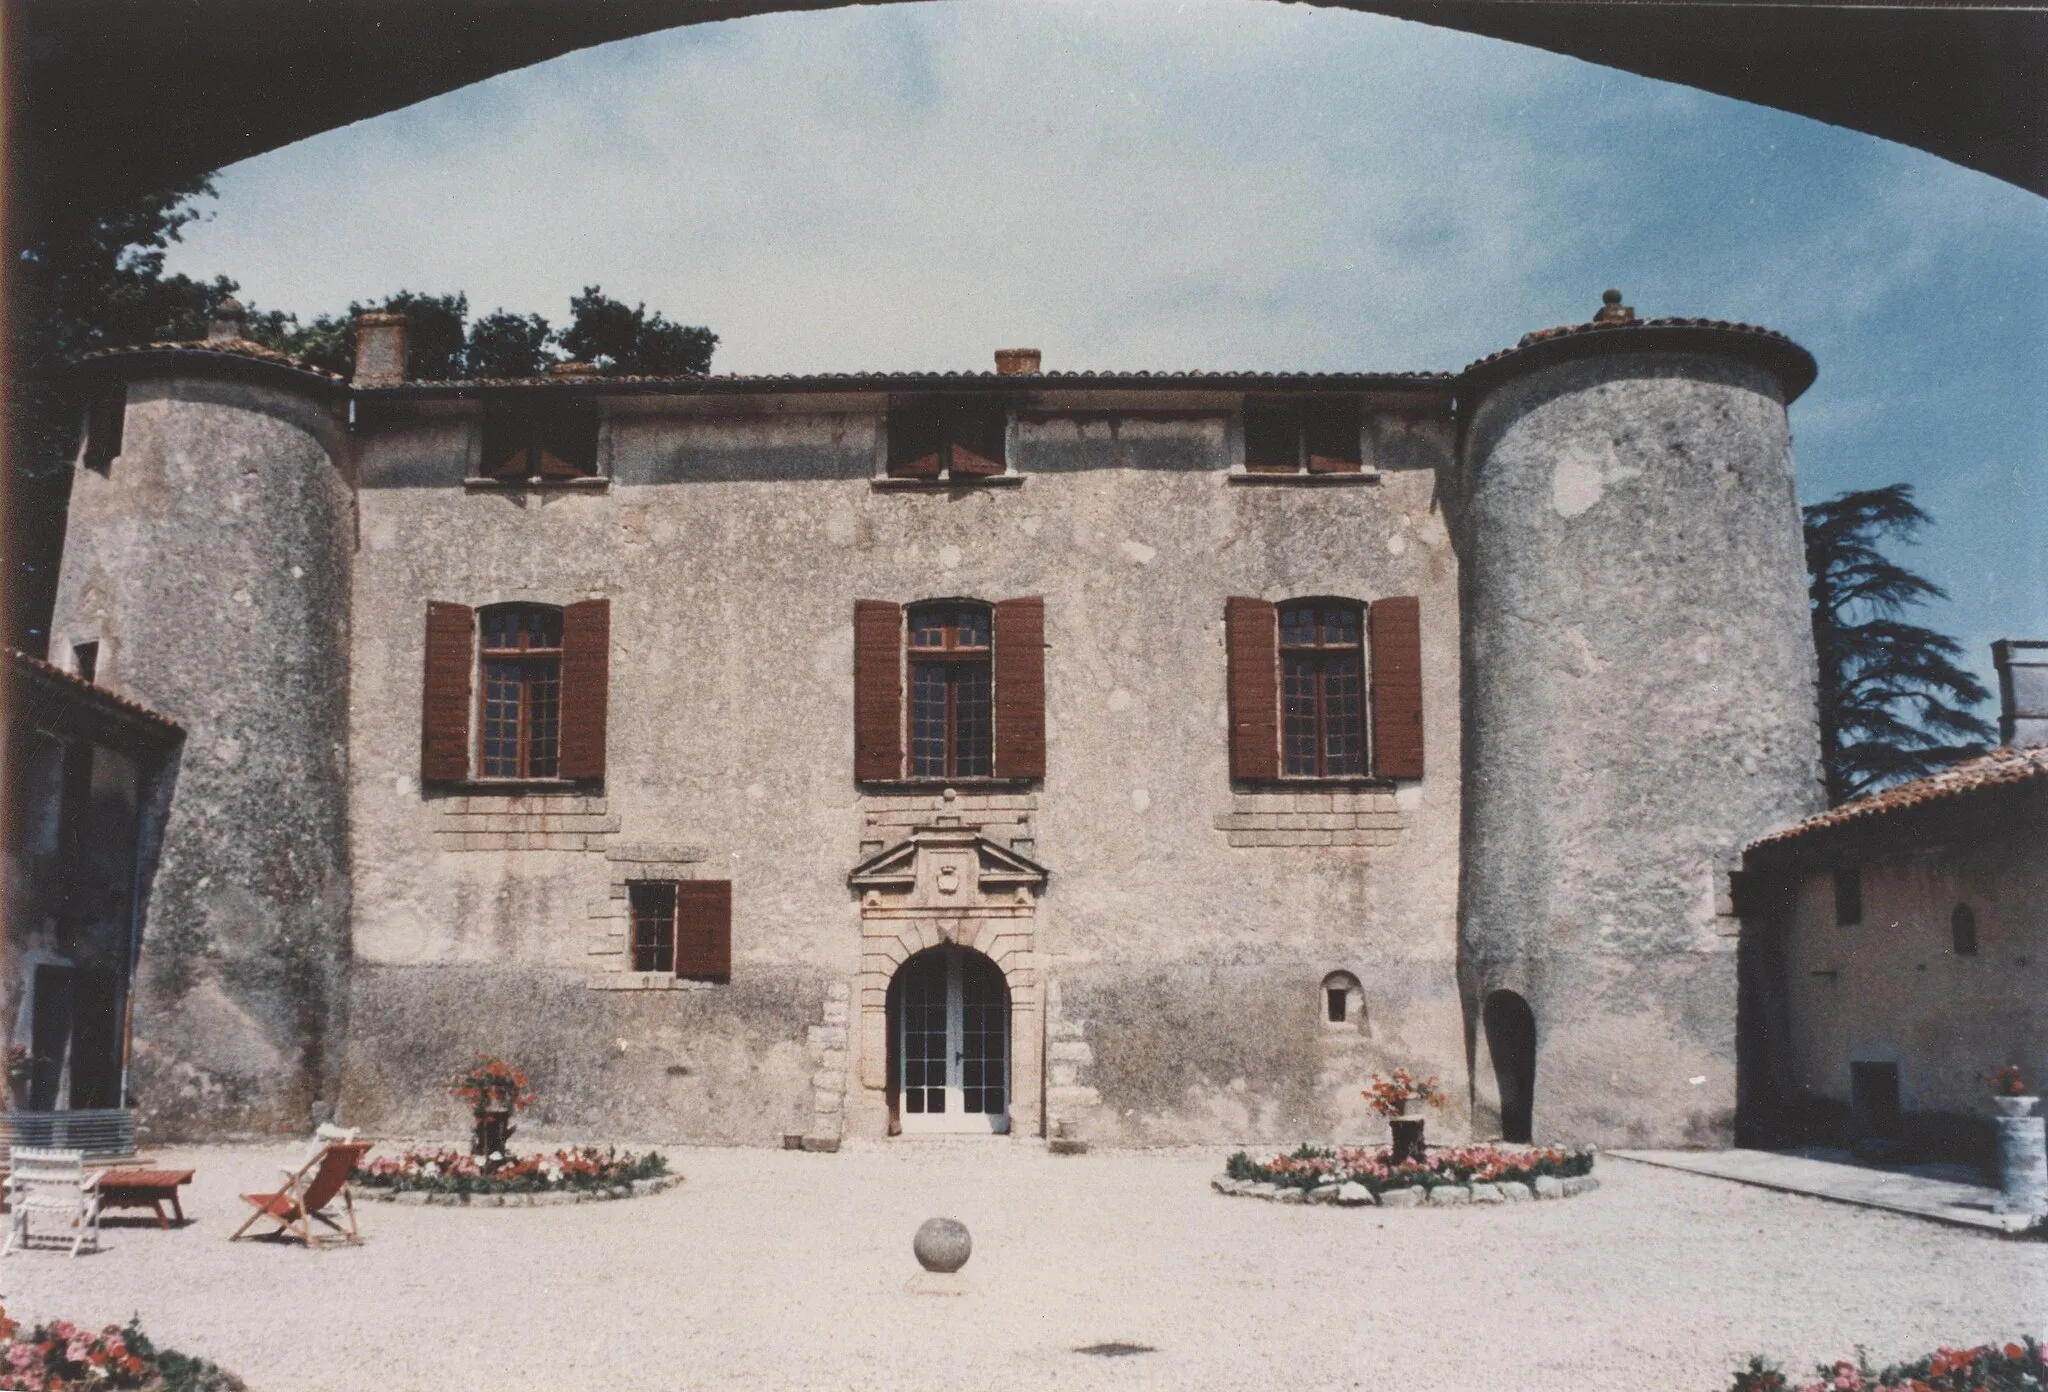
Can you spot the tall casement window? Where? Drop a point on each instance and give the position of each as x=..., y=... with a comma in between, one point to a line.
x=682, y=927
x=522, y=691
x=1322, y=687
x=1325, y=688
x=961, y=439
x=974, y=677
x=515, y=692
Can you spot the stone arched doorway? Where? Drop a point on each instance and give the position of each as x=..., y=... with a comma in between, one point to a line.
x=949, y=1044
x=1511, y=1041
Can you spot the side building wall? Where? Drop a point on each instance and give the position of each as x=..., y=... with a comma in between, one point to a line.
x=1172, y=978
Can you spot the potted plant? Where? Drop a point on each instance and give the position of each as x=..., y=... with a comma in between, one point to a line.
x=1400, y=1098
x=2009, y=1092
x=494, y=1089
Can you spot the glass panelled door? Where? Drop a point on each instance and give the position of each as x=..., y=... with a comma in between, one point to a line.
x=953, y=1043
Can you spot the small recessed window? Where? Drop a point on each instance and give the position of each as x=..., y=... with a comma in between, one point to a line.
x=1290, y=435
x=682, y=928
x=953, y=439
x=1343, y=1002
x=1962, y=930
x=553, y=439
x=85, y=660
x=1848, y=895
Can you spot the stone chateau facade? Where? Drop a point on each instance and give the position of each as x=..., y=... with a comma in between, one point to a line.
x=1140, y=757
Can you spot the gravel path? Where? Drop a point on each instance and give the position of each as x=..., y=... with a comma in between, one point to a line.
x=777, y=1269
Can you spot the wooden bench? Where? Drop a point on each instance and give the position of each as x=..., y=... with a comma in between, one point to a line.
x=144, y=1189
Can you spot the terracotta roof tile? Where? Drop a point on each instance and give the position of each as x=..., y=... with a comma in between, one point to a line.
x=1633, y=326
x=217, y=347
x=1999, y=768
x=1197, y=377
x=88, y=690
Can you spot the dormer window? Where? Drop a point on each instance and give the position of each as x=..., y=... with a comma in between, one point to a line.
x=1292, y=435
x=960, y=440
x=552, y=439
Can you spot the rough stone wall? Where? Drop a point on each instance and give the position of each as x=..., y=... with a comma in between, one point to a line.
x=732, y=542
x=211, y=564
x=1640, y=678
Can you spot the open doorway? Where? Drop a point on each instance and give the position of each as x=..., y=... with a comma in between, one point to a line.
x=1511, y=1040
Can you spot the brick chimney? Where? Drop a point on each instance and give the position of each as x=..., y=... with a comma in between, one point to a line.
x=1016, y=362
x=380, y=349
x=2022, y=691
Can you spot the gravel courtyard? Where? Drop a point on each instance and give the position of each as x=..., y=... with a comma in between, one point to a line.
x=776, y=1269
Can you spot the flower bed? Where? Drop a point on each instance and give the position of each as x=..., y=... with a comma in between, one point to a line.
x=1986, y=1368
x=58, y=1356
x=1370, y=1174
x=429, y=1175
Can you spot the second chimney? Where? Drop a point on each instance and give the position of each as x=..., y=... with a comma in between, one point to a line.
x=1016, y=362
x=2022, y=691
x=380, y=350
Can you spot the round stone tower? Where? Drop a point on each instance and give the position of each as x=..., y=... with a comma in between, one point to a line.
x=208, y=555
x=1640, y=675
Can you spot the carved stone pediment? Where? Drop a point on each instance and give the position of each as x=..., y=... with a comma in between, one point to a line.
x=947, y=868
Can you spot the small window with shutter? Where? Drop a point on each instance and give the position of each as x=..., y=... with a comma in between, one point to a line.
x=682, y=928
x=515, y=693
x=1302, y=435
x=961, y=440
x=544, y=438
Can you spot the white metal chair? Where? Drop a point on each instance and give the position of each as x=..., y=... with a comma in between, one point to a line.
x=51, y=1186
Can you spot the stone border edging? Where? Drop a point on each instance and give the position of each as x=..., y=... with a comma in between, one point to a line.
x=1351, y=1194
x=555, y=1198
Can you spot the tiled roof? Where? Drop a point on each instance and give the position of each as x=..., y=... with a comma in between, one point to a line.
x=241, y=348
x=80, y=687
x=1199, y=378
x=1999, y=768
x=1793, y=363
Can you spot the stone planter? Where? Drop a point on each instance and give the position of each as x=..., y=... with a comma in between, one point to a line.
x=2015, y=1106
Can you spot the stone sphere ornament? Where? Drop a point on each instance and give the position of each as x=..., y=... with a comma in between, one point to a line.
x=942, y=1245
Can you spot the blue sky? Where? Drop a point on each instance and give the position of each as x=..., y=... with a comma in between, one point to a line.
x=1214, y=183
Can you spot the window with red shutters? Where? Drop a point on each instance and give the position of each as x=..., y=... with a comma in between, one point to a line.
x=957, y=438
x=515, y=692
x=974, y=707
x=1287, y=435
x=551, y=437
x=1306, y=675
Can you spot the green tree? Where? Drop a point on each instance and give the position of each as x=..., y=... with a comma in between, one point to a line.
x=633, y=342
x=1893, y=703
x=504, y=344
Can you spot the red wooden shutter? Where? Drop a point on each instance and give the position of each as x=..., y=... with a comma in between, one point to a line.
x=586, y=678
x=966, y=461
x=916, y=444
x=1251, y=630
x=1395, y=628
x=877, y=690
x=444, y=705
x=1020, y=688
x=704, y=928
x=1329, y=435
